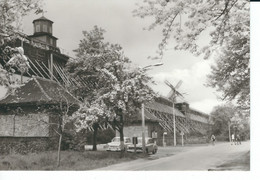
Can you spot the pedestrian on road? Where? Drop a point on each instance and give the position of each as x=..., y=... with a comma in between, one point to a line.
x=238, y=139
x=233, y=139
x=213, y=139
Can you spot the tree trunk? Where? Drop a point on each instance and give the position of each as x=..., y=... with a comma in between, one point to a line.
x=59, y=132
x=121, y=132
x=58, y=158
x=95, y=127
x=122, y=145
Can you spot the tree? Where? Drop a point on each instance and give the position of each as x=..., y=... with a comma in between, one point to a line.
x=120, y=97
x=125, y=91
x=62, y=108
x=222, y=116
x=91, y=117
x=226, y=23
x=114, y=90
x=91, y=55
x=228, y=118
x=231, y=74
x=11, y=14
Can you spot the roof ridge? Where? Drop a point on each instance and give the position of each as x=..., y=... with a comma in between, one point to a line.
x=58, y=83
x=68, y=92
x=41, y=88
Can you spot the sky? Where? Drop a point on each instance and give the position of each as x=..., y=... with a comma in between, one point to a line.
x=115, y=16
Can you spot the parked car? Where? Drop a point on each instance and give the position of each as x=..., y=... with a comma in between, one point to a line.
x=114, y=145
x=150, y=146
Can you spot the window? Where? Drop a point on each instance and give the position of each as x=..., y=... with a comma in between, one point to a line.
x=50, y=30
x=37, y=28
x=44, y=28
x=51, y=41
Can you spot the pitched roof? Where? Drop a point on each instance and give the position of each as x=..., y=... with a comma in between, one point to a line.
x=148, y=116
x=158, y=106
x=163, y=108
x=39, y=90
x=43, y=19
x=196, y=115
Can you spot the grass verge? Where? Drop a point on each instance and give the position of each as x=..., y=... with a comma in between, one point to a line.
x=70, y=160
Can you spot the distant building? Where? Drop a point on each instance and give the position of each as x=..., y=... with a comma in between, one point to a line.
x=159, y=119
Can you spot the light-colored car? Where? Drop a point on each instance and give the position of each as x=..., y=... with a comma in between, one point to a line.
x=150, y=146
x=114, y=145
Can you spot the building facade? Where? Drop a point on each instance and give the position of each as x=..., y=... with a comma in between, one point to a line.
x=192, y=124
x=31, y=116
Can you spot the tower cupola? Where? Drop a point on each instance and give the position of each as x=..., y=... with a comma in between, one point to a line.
x=43, y=31
x=42, y=25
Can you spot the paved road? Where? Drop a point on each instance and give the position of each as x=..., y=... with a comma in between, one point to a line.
x=196, y=158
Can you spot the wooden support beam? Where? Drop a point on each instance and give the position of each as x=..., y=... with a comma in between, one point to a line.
x=61, y=75
x=42, y=69
x=51, y=66
x=36, y=68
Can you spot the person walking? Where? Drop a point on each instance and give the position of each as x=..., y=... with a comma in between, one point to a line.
x=238, y=139
x=213, y=139
x=233, y=139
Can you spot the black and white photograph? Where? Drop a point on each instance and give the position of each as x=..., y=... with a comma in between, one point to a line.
x=125, y=85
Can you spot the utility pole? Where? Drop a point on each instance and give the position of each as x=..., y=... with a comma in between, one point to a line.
x=142, y=109
x=229, y=133
x=172, y=96
x=174, y=121
x=143, y=129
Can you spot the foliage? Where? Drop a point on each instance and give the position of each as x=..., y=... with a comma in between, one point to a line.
x=11, y=14
x=121, y=94
x=222, y=17
x=226, y=23
x=231, y=74
x=91, y=55
x=227, y=115
x=73, y=140
x=113, y=89
x=103, y=136
x=222, y=116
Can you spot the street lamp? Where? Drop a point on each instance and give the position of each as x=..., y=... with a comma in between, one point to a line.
x=157, y=64
x=143, y=118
